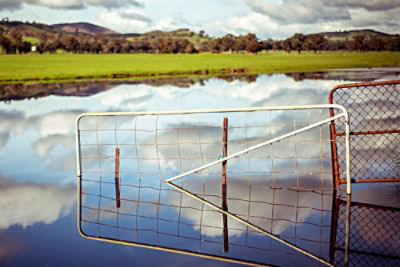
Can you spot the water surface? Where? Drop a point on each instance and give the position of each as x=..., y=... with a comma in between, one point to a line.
x=38, y=185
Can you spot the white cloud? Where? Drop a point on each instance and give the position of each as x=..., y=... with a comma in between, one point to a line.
x=18, y=4
x=134, y=21
x=170, y=24
x=264, y=26
x=123, y=22
x=309, y=16
x=166, y=24
x=30, y=203
x=10, y=4
x=267, y=19
x=10, y=122
x=135, y=15
x=124, y=95
x=71, y=4
x=269, y=87
x=56, y=123
x=371, y=5
x=113, y=3
x=252, y=22
x=387, y=21
x=304, y=12
x=54, y=128
x=44, y=145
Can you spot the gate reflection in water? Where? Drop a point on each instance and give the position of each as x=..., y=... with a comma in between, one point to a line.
x=328, y=226
x=374, y=238
x=182, y=224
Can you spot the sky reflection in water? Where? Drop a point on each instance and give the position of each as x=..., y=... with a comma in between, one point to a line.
x=38, y=167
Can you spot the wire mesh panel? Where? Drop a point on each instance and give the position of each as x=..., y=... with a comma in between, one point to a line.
x=374, y=238
x=374, y=110
x=283, y=188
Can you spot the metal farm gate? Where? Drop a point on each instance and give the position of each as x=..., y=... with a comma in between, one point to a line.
x=374, y=109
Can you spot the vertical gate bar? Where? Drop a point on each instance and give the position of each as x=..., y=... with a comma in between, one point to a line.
x=334, y=154
x=348, y=168
x=223, y=183
x=117, y=193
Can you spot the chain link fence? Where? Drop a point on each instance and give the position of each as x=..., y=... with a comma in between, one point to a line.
x=374, y=110
x=374, y=235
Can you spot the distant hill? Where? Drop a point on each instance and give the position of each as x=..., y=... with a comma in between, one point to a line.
x=349, y=35
x=83, y=27
x=26, y=26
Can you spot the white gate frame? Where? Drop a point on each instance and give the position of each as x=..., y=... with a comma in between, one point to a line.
x=169, y=181
x=344, y=114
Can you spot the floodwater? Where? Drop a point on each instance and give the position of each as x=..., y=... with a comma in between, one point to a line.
x=39, y=196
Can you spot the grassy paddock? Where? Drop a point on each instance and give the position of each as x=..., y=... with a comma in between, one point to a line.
x=14, y=68
x=31, y=40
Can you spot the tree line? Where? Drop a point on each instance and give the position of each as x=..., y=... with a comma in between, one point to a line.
x=182, y=41
x=318, y=42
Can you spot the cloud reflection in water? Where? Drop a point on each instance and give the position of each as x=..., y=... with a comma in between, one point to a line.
x=26, y=204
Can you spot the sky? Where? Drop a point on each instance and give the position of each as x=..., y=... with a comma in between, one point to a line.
x=277, y=19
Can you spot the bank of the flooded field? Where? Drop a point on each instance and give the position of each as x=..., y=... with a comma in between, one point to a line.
x=35, y=67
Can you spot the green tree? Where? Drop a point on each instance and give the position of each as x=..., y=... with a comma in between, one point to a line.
x=168, y=46
x=16, y=35
x=214, y=46
x=190, y=49
x=226, y=42
x=239, y=43
x=70, y=43
x=253, y=46
x=268, y=44
x=297, y=41
x=358, y=43
x=287, y=45
x=7, y=45
x=376, y=44
x=315, y=42
x=392, y=44
x=201, y=33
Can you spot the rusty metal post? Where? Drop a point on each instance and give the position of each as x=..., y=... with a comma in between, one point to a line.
x=117, y=193
x=223, y=184
x=334, y=157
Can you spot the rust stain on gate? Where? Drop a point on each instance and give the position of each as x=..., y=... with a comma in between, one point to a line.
x=374, y=109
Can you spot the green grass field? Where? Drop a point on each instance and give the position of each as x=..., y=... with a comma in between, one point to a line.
x=54, y=67
x=31, y=40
